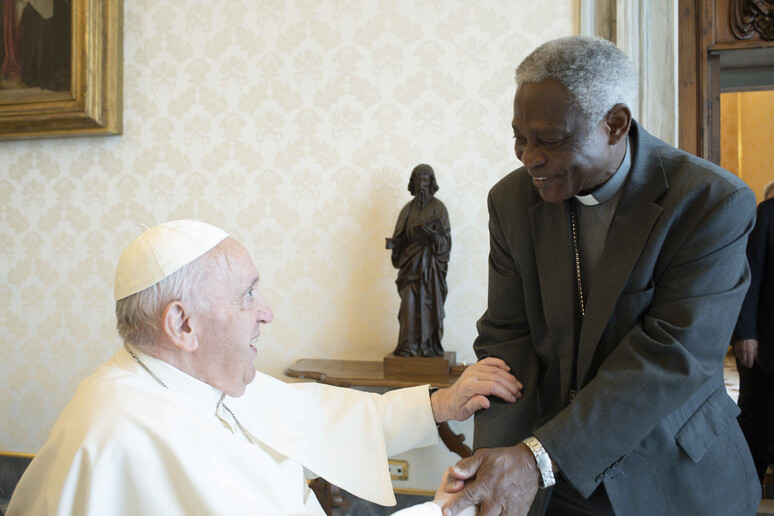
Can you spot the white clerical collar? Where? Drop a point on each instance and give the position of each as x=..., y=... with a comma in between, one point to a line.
x=610, y=187
x=199, y=395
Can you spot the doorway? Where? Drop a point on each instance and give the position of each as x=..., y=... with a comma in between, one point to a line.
x=747, y=115
x=724, y=46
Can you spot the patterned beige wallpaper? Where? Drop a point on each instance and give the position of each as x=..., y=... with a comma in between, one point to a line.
x=294, y=125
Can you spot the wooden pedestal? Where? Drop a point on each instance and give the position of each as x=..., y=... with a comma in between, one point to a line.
x=419, y=366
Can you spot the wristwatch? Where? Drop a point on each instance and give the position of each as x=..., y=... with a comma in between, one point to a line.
x=543, y=462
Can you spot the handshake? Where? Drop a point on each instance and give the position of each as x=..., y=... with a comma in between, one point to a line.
x=493, y=481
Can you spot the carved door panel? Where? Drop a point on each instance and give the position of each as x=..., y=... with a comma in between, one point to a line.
x=715, y=36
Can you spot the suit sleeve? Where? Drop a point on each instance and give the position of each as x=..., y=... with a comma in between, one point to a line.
x=673, y=351
x=747, y=325
x=503, y=332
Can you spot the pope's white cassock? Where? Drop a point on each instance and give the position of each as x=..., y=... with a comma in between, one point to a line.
x=128, y=445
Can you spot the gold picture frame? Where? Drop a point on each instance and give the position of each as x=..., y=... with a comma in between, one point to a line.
x=93, y=103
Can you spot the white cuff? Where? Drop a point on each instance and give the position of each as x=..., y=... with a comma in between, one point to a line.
x=425, y=509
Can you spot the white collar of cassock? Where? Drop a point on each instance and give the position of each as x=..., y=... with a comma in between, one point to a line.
x=300, y=421
x=200, y=396
x=610, y=187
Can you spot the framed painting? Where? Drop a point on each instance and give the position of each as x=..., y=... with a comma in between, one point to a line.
x=62, y=68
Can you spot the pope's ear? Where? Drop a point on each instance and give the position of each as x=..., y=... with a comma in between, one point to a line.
x=618, y=119
x=177, y=326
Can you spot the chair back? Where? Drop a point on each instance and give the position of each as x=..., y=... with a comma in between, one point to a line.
x=12, y=467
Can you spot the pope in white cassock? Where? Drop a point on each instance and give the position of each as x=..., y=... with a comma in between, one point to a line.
x=178, y=421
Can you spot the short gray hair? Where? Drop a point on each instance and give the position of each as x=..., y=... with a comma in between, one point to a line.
x=596, y=73
x=139, y=316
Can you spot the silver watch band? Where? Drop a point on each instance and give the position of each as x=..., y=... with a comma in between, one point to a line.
x=543, y=462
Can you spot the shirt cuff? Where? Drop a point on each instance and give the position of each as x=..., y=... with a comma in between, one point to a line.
x=425, y=509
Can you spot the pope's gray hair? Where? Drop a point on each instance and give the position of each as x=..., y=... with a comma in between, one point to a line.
x=139, y=316
x=596, y=73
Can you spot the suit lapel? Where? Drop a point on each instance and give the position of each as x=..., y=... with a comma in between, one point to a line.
x=629, y=231
x=554, y=260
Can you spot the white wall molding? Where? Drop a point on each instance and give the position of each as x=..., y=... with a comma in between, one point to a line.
x=647, y=31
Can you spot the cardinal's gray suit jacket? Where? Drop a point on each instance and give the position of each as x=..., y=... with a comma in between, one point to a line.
x=651, y=420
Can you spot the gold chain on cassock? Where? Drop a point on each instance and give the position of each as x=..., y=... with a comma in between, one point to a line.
x=574, y=224
x=577, y=260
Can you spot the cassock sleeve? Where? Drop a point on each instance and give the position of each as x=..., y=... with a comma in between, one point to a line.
x=425, y=509
x=407, y=419
x=432, y=509
x=342, y=435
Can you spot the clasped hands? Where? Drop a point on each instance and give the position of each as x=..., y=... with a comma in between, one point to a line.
x=497, y=481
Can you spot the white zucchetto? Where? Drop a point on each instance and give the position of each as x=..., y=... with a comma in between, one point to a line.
x=160, y=251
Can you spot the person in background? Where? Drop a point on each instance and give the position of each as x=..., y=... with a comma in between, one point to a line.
x=754, y=339
x=179, y=422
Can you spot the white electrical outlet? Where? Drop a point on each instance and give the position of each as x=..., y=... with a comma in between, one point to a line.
x=398, y=469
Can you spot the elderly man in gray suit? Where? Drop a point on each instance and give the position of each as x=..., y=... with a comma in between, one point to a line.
x=616, y=272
